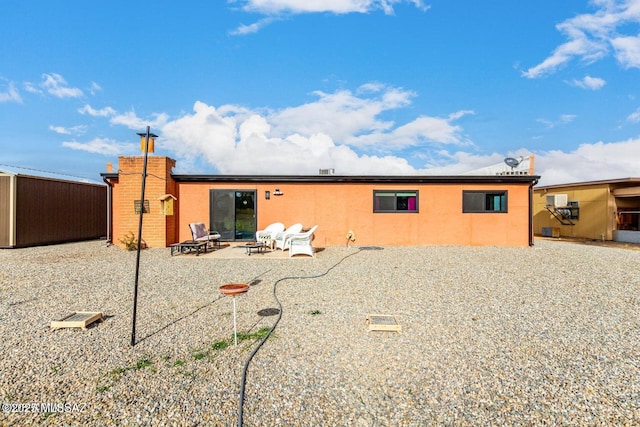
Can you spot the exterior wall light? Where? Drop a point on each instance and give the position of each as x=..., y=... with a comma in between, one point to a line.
x=278, y=192
x=267, y=194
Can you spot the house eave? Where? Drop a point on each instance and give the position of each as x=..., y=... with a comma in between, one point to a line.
x=381, y=179
x=629, y=180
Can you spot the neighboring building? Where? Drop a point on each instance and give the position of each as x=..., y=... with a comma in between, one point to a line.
x=40, y=211
x=602, y=210
x=381, y=210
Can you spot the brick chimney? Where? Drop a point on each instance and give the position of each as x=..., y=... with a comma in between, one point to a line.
x=158, y=229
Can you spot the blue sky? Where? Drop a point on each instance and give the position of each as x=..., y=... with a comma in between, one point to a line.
x=365, y=87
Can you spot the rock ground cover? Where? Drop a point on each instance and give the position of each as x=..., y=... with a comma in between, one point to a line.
x=546, y=335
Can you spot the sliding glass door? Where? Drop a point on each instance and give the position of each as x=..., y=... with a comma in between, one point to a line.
x=233, y=214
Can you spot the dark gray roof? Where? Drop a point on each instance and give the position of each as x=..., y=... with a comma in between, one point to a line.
x=420, y=179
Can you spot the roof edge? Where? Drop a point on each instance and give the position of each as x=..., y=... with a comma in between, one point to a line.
x=359, y=178
x=598, y=182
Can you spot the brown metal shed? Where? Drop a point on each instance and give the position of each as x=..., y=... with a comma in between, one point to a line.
x=40, y=211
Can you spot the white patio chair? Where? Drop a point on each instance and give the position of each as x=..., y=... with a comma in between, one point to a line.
x=200, y=234
x=269, y=233
x=300, y=243
x=282, y=238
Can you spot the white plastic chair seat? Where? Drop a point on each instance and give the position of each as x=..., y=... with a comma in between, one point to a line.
x=300, y=243
x=269, y=233
x=282, y=238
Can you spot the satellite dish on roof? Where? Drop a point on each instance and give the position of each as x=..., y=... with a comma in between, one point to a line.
x=510, y=161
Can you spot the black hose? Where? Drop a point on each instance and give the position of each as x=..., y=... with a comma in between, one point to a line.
x=255, y=350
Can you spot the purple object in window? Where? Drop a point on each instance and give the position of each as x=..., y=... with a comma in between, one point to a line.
x=411, y=205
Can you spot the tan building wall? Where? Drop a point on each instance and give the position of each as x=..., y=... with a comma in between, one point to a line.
x=335, y=206
x=597, y=211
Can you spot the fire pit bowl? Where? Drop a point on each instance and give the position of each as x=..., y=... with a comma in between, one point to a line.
x=233, y=289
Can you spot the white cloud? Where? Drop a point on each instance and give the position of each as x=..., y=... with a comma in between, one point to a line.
x=589, y=162
x=546, y=123
x=53, y=84
x=339, y=130
x=272, y=8
x=635, y=116
x=104, y=146
x=341, y=115
x=592, y=37
x=235, y=140
x=103, y=112
x=417, y=132
x=56, y=85
x=252, y=28
x=627, y=51
x=567, y=118
x=563, y=119
x=132, y=121
x=95, y=87
x=32, y=88
x=10, y=93
x=344, y=130
x=75, y=130
x=128, y=119
x=580, y=46
x=60, y=129
x=205, y=134
x=588, y=82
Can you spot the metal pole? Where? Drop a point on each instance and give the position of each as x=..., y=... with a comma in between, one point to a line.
x=135, y=288
x=235, y=331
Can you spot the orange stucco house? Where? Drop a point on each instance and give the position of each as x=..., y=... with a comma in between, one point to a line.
x=487, y=210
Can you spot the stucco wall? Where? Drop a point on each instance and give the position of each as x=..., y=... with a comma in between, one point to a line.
x=596, y=211
x=339, y=207
x=335, y=206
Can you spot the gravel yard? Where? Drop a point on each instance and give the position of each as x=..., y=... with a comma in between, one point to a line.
x=547, y=335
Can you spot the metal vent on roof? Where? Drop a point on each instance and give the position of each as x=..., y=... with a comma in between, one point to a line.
x=330, y=171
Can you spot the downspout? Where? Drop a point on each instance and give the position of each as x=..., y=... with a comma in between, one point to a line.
x=109, y=206
x=531, y=211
